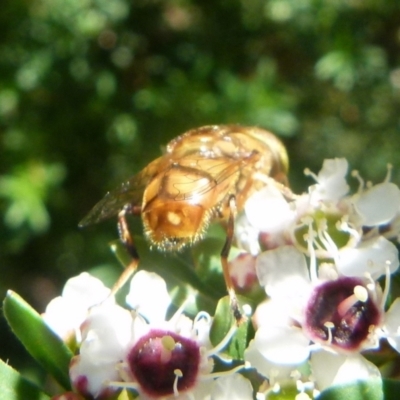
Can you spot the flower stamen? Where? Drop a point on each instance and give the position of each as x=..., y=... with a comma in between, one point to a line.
x=387, y=285
x=361, y=184
x=308, y=172
x=179, y=311
x=388, y=176
x=329, y=243
x=310, y=238
x=329, y=326
x=221, y=374
x=360, y=294
x=220, y=346
x=178, y=374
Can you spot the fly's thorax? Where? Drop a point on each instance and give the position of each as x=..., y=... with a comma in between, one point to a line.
x=274, y=160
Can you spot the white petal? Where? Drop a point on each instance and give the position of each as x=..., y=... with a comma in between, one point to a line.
x=272, y=313
x=182, y=325
x=268, y=211
x=148, y=295
x=265, y=367
x=372, y=257
x=283, y=272
x=140, y=327
x=86, y=290
x=379, y=204
x=334, y=369
x=65, y=313
x=96, y=375
x=202, y=391
x=282, y=345
x=61, y=319
x=232, y=387
x=247, y=235
x=106, y=337
x=106, y=334
x=332, y=184
x=392, y=325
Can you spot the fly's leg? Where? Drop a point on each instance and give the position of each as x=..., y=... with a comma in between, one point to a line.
x=225, y=265
x=127, y=240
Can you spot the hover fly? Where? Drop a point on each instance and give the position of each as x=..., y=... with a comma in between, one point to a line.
x=205, y=175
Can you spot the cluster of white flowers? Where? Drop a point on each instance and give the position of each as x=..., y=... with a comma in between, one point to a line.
x=318, y=256
x=139, y=349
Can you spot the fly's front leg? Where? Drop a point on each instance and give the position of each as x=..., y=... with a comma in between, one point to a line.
x=225, y=265
x=127, y=240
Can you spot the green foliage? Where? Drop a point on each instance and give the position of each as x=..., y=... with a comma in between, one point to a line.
x=370, y=390
x=14, y=387
x=223, y=322
x=26, y=191
x=41, y=342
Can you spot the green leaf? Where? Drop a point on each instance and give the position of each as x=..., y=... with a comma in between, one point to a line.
x=40, y=341
x=13, y=386
x=223, y=321
x=361, y=390
x=391, y=389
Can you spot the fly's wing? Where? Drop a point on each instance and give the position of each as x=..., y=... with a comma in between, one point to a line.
x=198, y=176
x=128, y=193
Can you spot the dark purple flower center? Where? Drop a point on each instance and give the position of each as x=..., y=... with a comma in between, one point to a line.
x=337, y=313
x=161, y=359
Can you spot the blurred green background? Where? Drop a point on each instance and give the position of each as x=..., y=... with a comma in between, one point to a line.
x=91, y=90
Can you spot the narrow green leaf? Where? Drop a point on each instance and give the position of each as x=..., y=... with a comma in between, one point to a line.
x=222, y=323
x=13, y=386
x=361, y=390
x=40, y=341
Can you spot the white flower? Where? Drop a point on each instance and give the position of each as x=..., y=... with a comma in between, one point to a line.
x=345, y=228
x=342, y=315
x=64, y=314
x=327, y=218
x=141, y=350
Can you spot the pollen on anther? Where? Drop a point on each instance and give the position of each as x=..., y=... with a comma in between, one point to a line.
x=168, y=342
x=178, y=373
x=361, y=293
